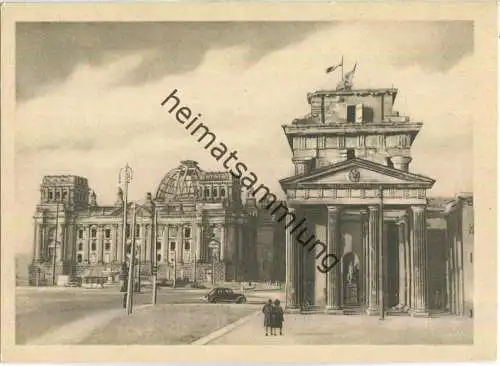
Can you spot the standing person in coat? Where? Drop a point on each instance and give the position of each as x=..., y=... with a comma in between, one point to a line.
x=277, y=318
x=267, y=310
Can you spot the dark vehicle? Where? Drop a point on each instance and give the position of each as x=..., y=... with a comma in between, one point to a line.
x=163, y=282
x=222, y=294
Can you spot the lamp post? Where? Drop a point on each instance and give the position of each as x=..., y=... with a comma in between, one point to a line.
x=130, y=287
x=125, y=176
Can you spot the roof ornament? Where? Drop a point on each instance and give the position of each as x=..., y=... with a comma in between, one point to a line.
x=93, y=199
x=346, y=82
x=119, y=197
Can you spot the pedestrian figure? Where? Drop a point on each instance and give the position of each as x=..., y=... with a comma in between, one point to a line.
x=267, y=310
x=277, y=318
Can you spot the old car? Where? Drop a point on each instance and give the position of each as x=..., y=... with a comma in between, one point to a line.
x=223, y=294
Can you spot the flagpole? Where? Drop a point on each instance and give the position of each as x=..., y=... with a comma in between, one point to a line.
x=342, y=70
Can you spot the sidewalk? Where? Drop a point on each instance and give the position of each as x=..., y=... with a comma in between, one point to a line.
x=321, y=329
x=169, y=324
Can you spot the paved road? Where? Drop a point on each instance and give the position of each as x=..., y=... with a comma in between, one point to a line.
x=41, y=310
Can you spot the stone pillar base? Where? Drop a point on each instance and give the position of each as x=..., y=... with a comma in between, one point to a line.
x=292, y=310
x=334, y=311
x=398, y=309
x=372, y=311
x=420, y=313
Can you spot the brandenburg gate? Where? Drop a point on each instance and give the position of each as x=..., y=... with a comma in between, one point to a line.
x=353, y=186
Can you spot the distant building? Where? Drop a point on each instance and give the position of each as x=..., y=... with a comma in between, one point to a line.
x=202, y=230
x=352, y=156
x=450, y=242
x=459, y=255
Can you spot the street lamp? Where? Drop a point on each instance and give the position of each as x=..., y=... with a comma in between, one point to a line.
x=125, y=176
x=130, y=287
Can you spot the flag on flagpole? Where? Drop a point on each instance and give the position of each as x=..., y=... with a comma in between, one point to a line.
x=333, y=68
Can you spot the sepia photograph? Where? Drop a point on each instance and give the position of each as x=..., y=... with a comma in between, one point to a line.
x=248, y=182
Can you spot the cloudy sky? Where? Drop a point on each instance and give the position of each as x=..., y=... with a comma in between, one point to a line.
x=88, y=96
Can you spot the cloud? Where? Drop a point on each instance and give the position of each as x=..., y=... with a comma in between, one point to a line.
x=48, y=53
x=101, y=109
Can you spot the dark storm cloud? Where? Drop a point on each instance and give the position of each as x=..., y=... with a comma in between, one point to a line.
x=47, y=53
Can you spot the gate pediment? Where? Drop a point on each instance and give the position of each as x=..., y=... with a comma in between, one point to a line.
x=357, y=172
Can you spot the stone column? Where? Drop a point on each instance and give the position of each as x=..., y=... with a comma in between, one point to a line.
x=45, y=241
x=166, y=245
x=455, y=269
x=365, y=257
x=373, y=258
x=448, y=293
x=119, y=244
x=460, y=276
x=234, y=250
x=37, y=245
x=232, y=247
x=408, y=262
x=455, y=274
x=35, y=242
x=222, y=241
x=147, y=242
x=63, y=241
x=241, y=253
x=114, y=243
x=178, y=246
x=203, y=242
x=100, y=244
x=198, y=241
x=70, y=246
x=419, y=305
x=402, y=264
x=292, y=303
x=299, y=270
x=334, y=280
x=59, y=242
x=86, y=245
